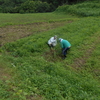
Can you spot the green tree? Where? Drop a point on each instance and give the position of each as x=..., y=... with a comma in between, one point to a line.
x=42, y=6
x=35, y=6
x=28, y=6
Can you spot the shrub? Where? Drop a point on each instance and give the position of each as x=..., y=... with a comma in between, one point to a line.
x=35, y=6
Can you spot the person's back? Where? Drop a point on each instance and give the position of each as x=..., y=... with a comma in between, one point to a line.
x=52, y=41
x=65, y=44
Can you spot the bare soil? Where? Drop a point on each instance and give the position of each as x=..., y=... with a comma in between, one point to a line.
x=15, y=32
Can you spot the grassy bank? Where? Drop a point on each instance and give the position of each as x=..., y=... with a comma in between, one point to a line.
x=84, y=9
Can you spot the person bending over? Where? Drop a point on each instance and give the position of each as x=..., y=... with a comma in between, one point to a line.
x=65, y=45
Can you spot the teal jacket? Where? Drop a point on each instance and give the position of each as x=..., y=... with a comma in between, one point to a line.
x=65, y=44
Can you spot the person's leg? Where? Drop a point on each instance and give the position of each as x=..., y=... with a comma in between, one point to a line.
x=49, y=45
x=65, y=52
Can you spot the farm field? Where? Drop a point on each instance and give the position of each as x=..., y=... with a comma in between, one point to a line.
x=29, y=70
x=17, y=26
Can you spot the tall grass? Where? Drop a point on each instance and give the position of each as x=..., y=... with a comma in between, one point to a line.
x=93, y=63
x=82, y=9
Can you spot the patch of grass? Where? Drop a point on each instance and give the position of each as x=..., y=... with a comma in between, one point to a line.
x=16, y=19
x=93, y=63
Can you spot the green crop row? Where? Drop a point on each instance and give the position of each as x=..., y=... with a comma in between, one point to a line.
x=34, y=72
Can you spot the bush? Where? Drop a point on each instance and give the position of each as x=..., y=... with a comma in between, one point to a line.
x=21, y=11
x=34, y=6
x=42, y=7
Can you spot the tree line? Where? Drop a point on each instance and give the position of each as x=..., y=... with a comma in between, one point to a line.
x=32, y=6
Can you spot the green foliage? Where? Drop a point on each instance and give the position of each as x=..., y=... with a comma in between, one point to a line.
x=34, y=75
x=3, y=92
x=35, y=6
x=43, y=7
x=36, y=71
x=93, y=63
x=83, y=9
x=27, y=6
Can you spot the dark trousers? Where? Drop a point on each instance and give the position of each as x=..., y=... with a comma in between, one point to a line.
x=50, y=46
x=64, y=51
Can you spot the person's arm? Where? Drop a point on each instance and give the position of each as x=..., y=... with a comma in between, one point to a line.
x=62, y=45
x=53, y=41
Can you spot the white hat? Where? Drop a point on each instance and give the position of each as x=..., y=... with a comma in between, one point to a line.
x=60, y=39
